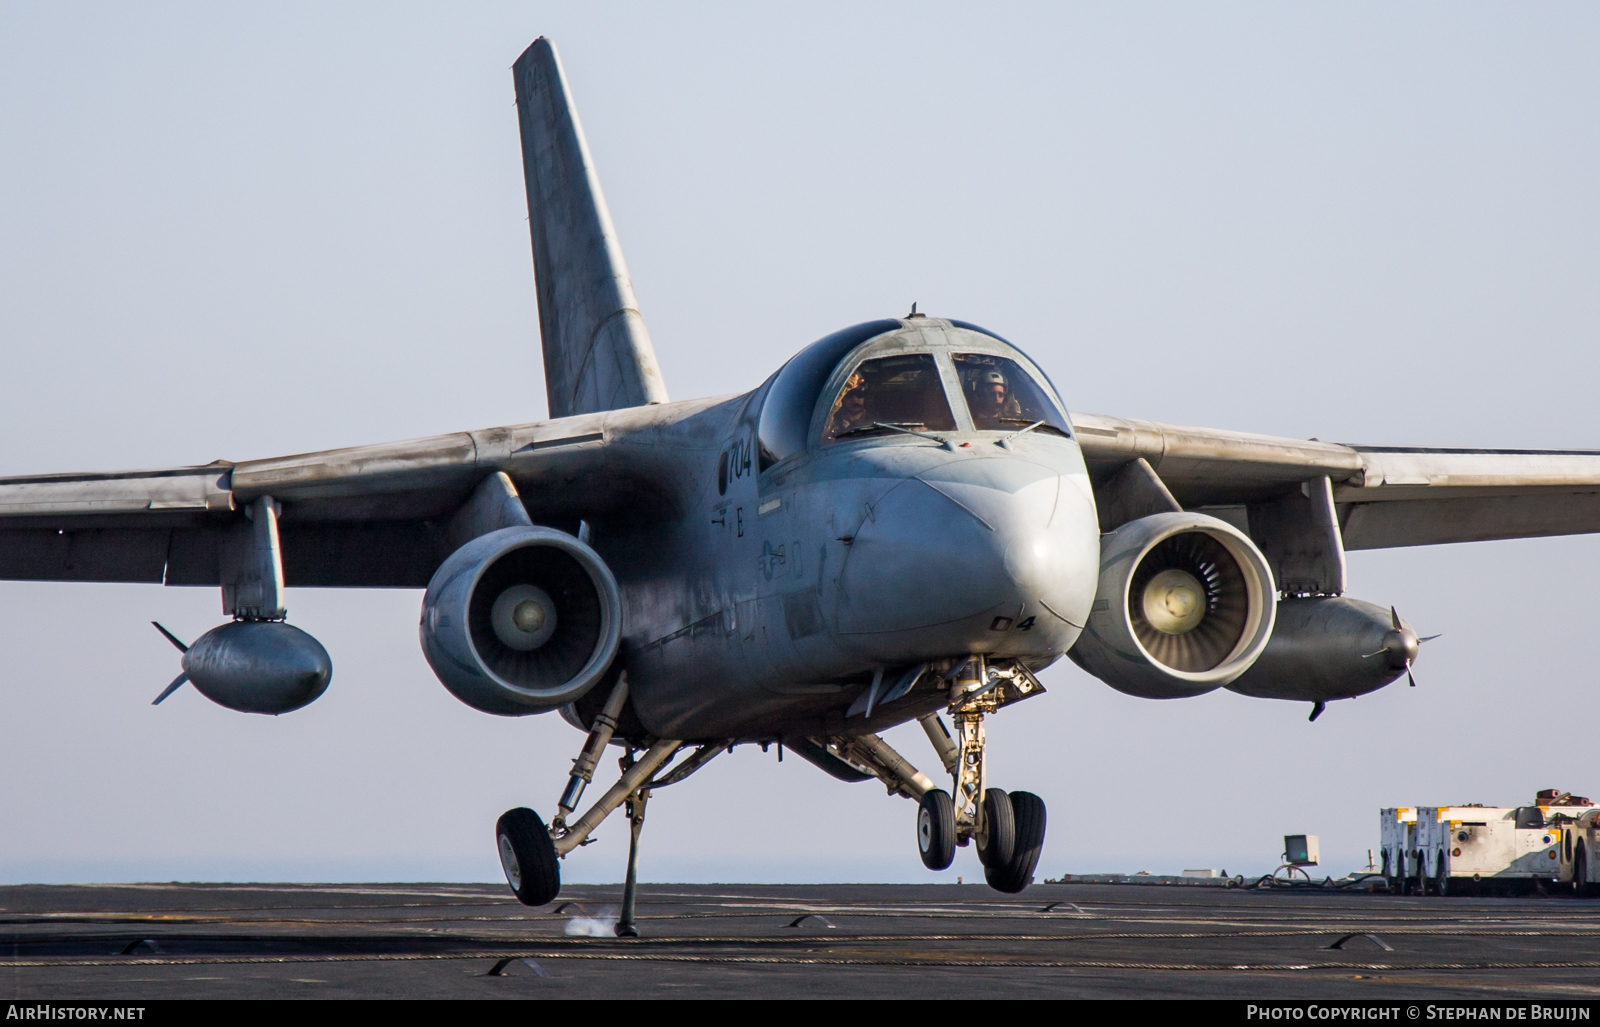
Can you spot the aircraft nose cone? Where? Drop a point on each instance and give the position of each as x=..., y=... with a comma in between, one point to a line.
x=953, y=563
x=1400, y=648
x=1037, y=560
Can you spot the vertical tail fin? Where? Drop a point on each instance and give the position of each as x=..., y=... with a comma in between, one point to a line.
x=597, y=353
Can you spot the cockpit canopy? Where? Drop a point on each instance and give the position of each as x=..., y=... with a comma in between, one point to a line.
x=924, y=375
x=904, y=391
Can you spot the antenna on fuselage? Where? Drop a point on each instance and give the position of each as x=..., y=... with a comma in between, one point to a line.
x=914, y=312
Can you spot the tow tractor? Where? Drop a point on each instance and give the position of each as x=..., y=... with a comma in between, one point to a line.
x=1397, y=837
x=1476, y=848
x=1580, y=849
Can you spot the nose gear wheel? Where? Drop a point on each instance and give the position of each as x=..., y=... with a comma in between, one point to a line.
x=997, y=841
x=936, y=829
x=1028, y=820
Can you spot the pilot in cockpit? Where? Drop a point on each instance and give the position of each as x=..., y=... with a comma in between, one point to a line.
x=992, y=399
x=850, y=412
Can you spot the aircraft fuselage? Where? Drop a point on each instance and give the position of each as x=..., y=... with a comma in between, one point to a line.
x=765, y=602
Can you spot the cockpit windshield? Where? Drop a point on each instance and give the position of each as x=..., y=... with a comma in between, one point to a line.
x=1001, y=396
x=792, y=396
x=903, y=391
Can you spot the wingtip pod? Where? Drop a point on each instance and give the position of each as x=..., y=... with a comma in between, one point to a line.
x=597, y=351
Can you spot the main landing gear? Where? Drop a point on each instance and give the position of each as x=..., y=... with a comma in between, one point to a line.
x=530, y=852
x=1007, y=827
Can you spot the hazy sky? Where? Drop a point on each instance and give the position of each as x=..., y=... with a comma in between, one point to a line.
x=238, y=231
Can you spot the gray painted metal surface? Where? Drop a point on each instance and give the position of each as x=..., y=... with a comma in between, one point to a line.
x=1325, y=648
x=597, y=353
x=258, y=666
x=1299, y=535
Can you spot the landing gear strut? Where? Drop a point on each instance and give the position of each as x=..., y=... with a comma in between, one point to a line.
x=630, y=887
x=530, y=852
x=1008, y=828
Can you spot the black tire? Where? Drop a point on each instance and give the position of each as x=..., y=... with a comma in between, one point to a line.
x=1580, y=875
x=936, y=829
x=1441, y=879
x=1028, y=819
x=1002, y=833
x=528, y=857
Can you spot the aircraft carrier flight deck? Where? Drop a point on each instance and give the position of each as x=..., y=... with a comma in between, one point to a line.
x=768, y=941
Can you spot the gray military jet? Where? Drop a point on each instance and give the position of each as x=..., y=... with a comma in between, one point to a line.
x=903, y=521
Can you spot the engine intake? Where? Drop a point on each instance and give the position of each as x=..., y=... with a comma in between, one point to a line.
x=1185, y=605
x=521, y=620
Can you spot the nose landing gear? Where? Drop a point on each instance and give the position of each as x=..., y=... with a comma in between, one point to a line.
x=1008, y=828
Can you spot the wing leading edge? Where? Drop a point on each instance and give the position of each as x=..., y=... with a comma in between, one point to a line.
x=367, y=516
x=1386, y=497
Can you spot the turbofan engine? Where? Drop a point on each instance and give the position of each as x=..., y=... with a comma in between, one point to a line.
x=1185, y=605
x=1330, y=647
x=521, y=620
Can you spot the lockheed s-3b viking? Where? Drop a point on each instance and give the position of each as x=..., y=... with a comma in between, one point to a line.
x=902, y=523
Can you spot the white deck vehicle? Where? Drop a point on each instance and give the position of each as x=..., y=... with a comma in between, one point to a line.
x=1580, y=851
x=1497, y=846
x=1397, y=830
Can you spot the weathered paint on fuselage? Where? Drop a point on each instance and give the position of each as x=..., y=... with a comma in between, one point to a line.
x=766, y=608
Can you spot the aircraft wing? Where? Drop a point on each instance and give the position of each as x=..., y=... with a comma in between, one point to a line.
x=376, y=516
x=1384, y=496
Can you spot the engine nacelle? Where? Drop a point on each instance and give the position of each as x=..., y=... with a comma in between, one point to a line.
x=1185, y=605
x=1329, y=647
x=258, y=666
x=521, y=620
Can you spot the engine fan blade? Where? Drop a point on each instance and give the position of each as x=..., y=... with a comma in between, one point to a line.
x=177, y=683
x=171, y=637
x=1411, y=680
x=1394, y=618
x=1430, y=638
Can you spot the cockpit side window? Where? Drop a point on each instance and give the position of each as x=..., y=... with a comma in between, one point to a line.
x=792, y=397
x=904, y=391
x=1001, y=396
